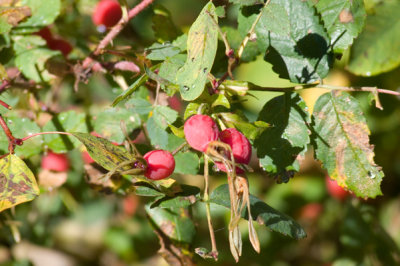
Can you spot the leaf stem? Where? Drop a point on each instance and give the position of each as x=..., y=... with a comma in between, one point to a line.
x=206, y=198
x=45, y=133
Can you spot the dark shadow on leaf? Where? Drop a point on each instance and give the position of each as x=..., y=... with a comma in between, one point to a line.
x=278, y=64
x=312, y=46
x=247, y=11
x=67, y=142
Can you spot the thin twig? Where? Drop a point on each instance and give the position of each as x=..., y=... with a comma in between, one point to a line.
x=45, y=133
x=115, y=31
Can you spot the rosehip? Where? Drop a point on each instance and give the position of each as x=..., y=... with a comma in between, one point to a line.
x=55, y=161
x=107, y=13
x=199, y=131
x=45, y=33
x=160, y=164
x=222, y=167
x=61, y=45
x=87, y=158
x=241, y=147
x=334, y=189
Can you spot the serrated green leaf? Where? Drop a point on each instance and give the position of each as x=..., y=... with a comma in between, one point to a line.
x=279, y=146
x=298, y=52
x=186, y=163
x=170, y=66
x=174, y=223
x=163, y=26
x=67, y=122
x=108, y=123
x=22, y=127
x=17, y=183
x=240, y=122
x=342, y=144
x=202, y=46
x=139, y=106
x=160, y=138
x=106, y=154
x=262, y=213
x=377, y=49
x=43, y=14
x=126, y=94
x=343, y=19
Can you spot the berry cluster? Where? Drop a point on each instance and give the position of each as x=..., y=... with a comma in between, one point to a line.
x=200, y=130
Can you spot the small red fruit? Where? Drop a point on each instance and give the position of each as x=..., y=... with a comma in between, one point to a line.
x=241, y=147
x=107, y=13
x=61, y=45
x=87, y=158
x=160, y=164
x=45, y=33
x=55, y=161
x=199, y=131
x=334, y=189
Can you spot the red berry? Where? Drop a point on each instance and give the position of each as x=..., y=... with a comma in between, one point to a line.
x=222, y=167
x=199, y=131
x=55, y=161
x=107, y=13
x=311, y=211
x=241, y=147
x=61, y=45
x=334, y=189
x=87, y=158
x=160, y=164
x=175, y=103
x=45, y=33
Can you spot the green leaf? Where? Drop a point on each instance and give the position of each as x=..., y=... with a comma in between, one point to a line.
x=188, y=196
x=17, y=183
x=163, y=26
x=4, y=26
x=279, y=146
x=298, y=50
x=191, y=109
x=164, y=116
x=262, y=213
x=160, y=138
x=220, y=100
x=67, y=122
x=22, y=127
x=240, y=122
x=186, y=163
x=106, y=154
x=32, y=63
x=174, y=223
x=139, y=106
x=377, y=49
x=170, y=66
x=247, y=2
x=342, y=144
x=202, y=46
x=43, y=14
x=126, y=94
x=23, y=43
x=343, y=19
x=108, y=123
x=161, y=51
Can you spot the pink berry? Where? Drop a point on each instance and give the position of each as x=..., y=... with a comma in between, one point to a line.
x=160, y=164
x=55, y=161
x=107, y=13
x=241, y=147
x=199, y=131
x=334, y=189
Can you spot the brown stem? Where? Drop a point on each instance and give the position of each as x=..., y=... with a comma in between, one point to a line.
x=115, y=31
x=12, y=141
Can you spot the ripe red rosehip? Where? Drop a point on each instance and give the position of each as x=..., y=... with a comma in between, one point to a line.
x=45, y=33
x=61, y=45
x=87, y=158
x=107, y=13
x=199, y=131
x=160, y=164
x=334, y=189
x=241, y=147
x=55, y=161
x=222, y=167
